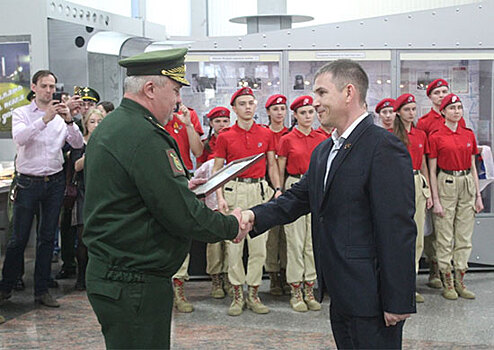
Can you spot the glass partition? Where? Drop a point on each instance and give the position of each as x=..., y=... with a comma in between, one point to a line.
x=215, y=77
x=470, y=75
x=304, y=64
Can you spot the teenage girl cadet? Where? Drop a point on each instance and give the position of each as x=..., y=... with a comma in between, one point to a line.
x=294, y=156
x=219, y=118
x=386, y=112
x=417, y=144
x=275, y=264
x=246, y=138
x=216, y=257
x=430, y=122
x=456, y=195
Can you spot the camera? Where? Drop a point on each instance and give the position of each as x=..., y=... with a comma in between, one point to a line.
x=57, y=96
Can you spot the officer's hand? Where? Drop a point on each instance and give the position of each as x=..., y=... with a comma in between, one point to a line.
x=51, y=111
x=222, y=205
x=75, y=105
x=194, y=182
x=479, y=205
x=244, y=227
x=277, y=194
x=393, y=319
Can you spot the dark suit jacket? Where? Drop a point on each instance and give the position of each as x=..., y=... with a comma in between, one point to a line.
x=362, y=223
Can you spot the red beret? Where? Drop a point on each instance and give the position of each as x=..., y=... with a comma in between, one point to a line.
x=448, y=100
x=301, y=101
x=435, y=84
x=275, y=100
x=218, y=112
x=241, y=92
x=387, y=102
x=403, y=100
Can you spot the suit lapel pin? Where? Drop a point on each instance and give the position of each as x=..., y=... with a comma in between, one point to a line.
x=347, y=146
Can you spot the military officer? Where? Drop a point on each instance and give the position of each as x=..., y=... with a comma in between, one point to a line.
x=140, y=215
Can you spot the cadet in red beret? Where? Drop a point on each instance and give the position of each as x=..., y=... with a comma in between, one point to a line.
x=294, y=157
x=246, y=138
x=275, y=264
x=429, y=123
x=386, y=113
x=219, y=118
x=405, y=108
x=186, y=129
x=456, y=195
x=216, y=257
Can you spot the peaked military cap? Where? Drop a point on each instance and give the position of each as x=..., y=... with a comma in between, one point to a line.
x=169, y=63
x=87, y=93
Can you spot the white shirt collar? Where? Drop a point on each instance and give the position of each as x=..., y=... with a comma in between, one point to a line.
x=336, y=138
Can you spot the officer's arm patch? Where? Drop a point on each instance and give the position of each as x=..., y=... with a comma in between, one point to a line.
x=175, y=163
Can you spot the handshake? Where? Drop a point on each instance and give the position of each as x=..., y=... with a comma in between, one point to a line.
x=246, y=219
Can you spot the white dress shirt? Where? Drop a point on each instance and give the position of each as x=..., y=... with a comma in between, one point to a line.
x=39, y=145
x=338, y=141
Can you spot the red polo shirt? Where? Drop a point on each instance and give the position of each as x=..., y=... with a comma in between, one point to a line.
x=277, y=137
x=432, y=121
x=323, y=132
x=178, y=131
x=417, y=147
x=453, y=150
x=207, y=155
x=236, y=143
x=297, y=148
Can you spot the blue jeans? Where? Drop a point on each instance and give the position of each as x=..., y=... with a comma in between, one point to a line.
x=33, y=194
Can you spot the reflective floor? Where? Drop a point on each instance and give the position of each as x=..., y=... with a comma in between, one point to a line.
x=439, y=323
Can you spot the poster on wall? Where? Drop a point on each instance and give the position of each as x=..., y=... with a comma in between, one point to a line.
x=14, y=80
x=459, y=79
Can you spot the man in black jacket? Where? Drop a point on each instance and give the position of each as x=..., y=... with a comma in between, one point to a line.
x=360, y=191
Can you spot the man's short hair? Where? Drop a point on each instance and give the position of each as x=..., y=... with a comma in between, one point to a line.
x=346, y=72
x=41, y=74
x=133, y=84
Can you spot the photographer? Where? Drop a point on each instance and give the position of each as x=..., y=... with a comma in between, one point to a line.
x=39, y=131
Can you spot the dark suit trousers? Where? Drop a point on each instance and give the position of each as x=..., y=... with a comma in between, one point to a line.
x=351, y=332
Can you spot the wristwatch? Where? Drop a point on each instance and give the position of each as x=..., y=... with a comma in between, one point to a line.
x=277, y=189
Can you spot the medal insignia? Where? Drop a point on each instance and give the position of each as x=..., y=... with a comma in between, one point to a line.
x=347, y=146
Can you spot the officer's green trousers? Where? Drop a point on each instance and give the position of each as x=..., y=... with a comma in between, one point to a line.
x=134, y=310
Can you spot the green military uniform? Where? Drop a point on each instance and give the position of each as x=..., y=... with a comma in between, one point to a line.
x=140, y=218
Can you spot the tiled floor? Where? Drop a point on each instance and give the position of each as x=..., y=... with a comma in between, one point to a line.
x=439, y=323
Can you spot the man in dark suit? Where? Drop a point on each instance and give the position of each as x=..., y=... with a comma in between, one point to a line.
x=360, y=191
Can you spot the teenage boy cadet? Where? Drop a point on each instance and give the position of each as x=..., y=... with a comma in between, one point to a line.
x=39, y=131
x=430, y=122
x=246, y=138
x=186, y=129
x=140, y=216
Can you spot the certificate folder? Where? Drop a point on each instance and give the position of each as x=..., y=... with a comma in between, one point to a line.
x=229, y=172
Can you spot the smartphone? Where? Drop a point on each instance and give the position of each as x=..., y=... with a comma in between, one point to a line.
x=57, y=96
x=177, y=107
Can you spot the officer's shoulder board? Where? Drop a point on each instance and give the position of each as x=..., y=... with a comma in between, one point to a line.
x=175, y=163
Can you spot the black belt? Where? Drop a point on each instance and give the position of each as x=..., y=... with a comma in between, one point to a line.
x=298, y=176
x=456, y=172
x=46, y=178
x=416, y=172
x=249, y=180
